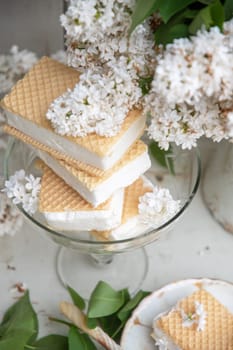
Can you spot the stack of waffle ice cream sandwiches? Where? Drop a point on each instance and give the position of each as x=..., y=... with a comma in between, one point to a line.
x=91, y=183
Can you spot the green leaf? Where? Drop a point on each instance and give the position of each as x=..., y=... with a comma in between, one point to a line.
x=168, y=8
x=110, y=325
x=115, y=323
x=51, y=342
x=92, y=323
x=177, y=27
x=162, y=156
x=78, y=341
x=212, y=15
x=104, y=300
x=126, y=295
x=143, y=10
x=228, y=9
x=126, y=311
x=202, y=18
x=166, y=34
x=15, y=340
x=54, y=319
x=19, y=325
x=145, y=84
x=217, y=14
x=206, y=2
x=77, y=299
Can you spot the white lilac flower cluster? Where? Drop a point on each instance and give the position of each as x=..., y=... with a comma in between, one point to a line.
x=97, y=31
x=23, y=190
x=157, y=207
x=111, y=62
x=192, y=89
x=98, y=103
x=13, y=66
x=60, y=56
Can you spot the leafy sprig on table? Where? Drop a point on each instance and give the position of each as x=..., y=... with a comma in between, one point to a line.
x=182, y=18
x=107, y=308
x=19, y=329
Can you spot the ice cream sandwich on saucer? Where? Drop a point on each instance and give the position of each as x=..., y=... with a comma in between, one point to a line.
x=197, y=322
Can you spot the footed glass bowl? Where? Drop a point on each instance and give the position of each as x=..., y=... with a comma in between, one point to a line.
x=82, y=260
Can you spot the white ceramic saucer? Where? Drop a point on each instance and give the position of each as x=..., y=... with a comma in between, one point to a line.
x=137, y=331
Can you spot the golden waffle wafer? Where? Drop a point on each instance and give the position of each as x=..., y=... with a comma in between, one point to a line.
x=54, y=153
x=131, y=198
x=31, y=97
x=64, y=209
x=57, y=196
x=91, y=182
x=218, y=329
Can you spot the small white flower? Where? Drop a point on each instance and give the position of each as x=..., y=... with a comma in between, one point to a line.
x=157, y=207
x=201, y=316
x=162, y=344
x=60, y=56
x=23, y=190
x=187, y=319
x=21, y=61
x=13, y=66
x=198, y=317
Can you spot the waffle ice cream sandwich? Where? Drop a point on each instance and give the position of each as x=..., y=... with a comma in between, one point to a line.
x=38, y=146
x=197, y=322
x=93, y=184
x=64, y=209
x=27, y=104
x=130, y=224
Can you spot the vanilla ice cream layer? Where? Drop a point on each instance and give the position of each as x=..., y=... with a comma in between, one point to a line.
x=87, y=220
x=103, y=190
x=75, y=150
x=132, y=228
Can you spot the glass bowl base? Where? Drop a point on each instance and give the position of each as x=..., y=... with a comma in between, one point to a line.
x=82, y=271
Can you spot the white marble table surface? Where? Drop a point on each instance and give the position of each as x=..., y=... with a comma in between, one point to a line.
x=197, y=247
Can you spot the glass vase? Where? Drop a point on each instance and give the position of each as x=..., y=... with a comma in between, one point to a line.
x=217, y=184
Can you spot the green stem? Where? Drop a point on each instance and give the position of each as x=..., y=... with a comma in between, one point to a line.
x=117, y=331
x=29, y=347
x=60, y=321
